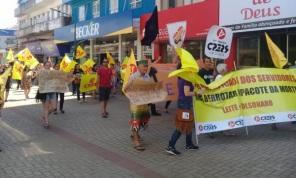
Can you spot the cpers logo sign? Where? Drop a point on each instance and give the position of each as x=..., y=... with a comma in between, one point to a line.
x=247, y=15
x=218, y=42
x=236, y=123
x=267, y=118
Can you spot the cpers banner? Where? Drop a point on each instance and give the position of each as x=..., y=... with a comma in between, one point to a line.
x=250, y=15
x=245, y=98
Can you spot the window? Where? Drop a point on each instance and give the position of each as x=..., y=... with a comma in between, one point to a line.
x=186, y=2
x=113, y=6
x=81, y=15
x=96, y=8
x=172, y=3
x=248, y=51
x=135, y=4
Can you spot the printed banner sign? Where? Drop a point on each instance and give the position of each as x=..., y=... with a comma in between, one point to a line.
x=143, y=92
x=251, y=15
x=246, y=98
x=53, y=81
x=170, y=84
x=218, y=42
x=88, y=82
x=177, y=33
x=17, y=71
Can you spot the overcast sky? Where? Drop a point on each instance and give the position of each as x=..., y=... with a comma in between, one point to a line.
x=7, y=18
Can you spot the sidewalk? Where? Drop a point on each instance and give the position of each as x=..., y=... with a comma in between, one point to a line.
x=82, y=144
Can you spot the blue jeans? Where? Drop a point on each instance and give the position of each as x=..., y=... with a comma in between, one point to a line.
x=176, y=135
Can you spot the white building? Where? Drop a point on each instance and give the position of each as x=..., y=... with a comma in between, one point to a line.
x=36, y=21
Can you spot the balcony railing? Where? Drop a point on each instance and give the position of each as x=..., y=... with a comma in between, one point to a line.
x=29, y=5
x=44, y=26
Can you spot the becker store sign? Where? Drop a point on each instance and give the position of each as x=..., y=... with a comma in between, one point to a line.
x=251, y=15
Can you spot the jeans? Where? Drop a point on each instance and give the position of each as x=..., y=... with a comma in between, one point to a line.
x=176, y=135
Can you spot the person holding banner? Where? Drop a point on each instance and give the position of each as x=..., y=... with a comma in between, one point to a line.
x=184, y=117
x=8, y=82
x=48, y=99
x=140, y=114
x=105, y=75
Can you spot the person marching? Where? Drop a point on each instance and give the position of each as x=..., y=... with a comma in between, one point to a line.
x=140, y=114
x=48, y=99
x=184, y=105
x=105, y=75
x=77, y=79
x=26, y=81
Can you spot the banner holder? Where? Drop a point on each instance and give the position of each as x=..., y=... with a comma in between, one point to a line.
x=194, y=113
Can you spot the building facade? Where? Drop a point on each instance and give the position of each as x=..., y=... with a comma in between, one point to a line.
x=7, y=41
x=105, y=26
x=36, y=21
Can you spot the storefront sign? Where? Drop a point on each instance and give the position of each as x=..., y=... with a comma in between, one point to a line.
x=193, y=14
x=177, y=33
x=105, y=26
x=250, y=15
x=218, y=42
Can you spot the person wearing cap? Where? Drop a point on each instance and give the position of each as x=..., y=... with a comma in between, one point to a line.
x=140, y=114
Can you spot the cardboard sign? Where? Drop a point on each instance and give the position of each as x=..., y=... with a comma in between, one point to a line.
x=218, y=42
x=53, y=81
x=144, y=92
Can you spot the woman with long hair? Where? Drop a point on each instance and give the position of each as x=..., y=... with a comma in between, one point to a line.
x=48, y=99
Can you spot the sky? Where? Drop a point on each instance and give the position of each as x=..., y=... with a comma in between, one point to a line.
x=7, y=18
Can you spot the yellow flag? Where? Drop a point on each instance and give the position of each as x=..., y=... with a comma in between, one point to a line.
x=88, y=82
x=70, y=67
x=187, y=60
x=26, y=56
x=3, y=80
x=17, y=71
x=278, y=57
x=10, y=55
x=124, y=63
x=87, y=66
x=80, y=53
x=110, y=58
x=64, y=63
x=130, y=68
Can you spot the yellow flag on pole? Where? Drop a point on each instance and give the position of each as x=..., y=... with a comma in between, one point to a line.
x=17, y=71
x=110, y=58
x=87, y=66
x=64, y=63
x=277, y=56
x=10, y=56
x=80, y=53
x=130, y=68
x=70, y=67
x=26, y=56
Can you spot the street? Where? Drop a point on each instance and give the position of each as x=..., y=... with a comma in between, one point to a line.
x=82, y=144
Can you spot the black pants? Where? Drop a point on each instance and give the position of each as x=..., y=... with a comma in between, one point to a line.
x=78, y=92
x=167, y=104
x=153, y=108
x=18, y=84
x=62, y=98
x=74, y=88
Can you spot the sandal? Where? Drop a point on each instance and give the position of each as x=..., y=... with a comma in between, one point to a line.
x=104, y=115
x=139, y=147
x=46, y=125
x=140, y=138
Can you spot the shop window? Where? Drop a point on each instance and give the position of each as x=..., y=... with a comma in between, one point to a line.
x=186, y=2
x=135, y=4
x=113, y=6
x=280, y=40
x=195, y=48
x=248, y=54
x=172, y=3
x=292, y=49
x=96, y=8
x=81, y=15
